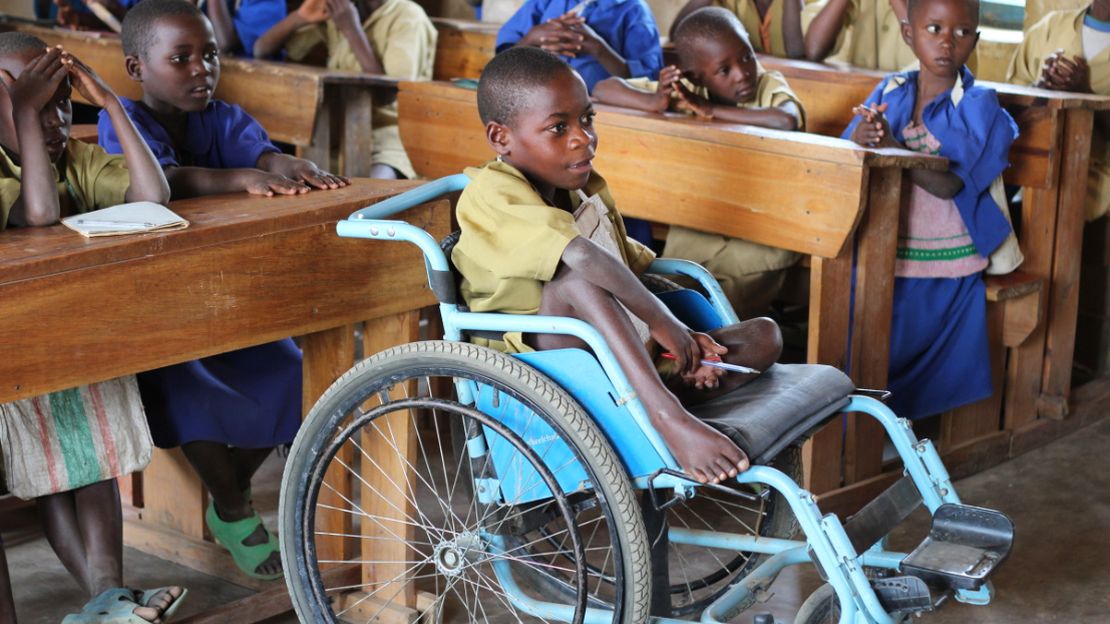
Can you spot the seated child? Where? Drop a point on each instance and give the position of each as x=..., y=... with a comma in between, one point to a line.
x=957, y=224
x=722, y=81
x=228, y=411
x=520, y=252
x=777, y=24
x=394, y=37
x=45, y=175
x=1070, y=51
x=239, y=23
x=863, y=33
x=600, y=38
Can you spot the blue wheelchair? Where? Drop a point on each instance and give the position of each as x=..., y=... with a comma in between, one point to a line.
x=532, y=488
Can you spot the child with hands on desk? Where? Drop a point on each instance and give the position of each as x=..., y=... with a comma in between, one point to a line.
x=68, y=448
x=540, y=234
x=957, y=225
x=227, y=412
x=721, y=80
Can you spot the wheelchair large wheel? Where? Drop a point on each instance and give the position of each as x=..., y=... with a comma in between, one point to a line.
x=821, y=607
x=372, y=490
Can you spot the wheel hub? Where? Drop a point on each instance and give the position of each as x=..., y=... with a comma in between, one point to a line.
x=452, y=556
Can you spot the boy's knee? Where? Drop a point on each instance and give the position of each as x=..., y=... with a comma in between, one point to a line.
x=768, y=336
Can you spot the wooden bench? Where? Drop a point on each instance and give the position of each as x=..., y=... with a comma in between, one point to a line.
x=730, y=179
x=463, y=47
x=325, y=113
x=245, y=272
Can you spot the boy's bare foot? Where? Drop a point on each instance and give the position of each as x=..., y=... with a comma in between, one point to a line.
x=156, y=605
x=703, y=452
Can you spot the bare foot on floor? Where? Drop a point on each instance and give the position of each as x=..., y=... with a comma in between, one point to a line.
x=703, y=452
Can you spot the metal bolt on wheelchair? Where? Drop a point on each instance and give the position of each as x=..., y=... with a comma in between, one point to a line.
x=482, y=486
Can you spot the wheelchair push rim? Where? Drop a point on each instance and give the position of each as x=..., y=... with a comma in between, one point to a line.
x=472, y=554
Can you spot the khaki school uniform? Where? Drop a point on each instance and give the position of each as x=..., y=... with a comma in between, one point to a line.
x=872, y=37
x=750, y=274
x=512, y=243
x=93, y=179
x=404, y=40
x=1062, y=30
x=765, y=33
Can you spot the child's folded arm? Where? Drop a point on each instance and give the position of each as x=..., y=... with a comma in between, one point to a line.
x=783, y=117
x=37, y=203
x=619, y=92
x=823, y=31
x=271, y=41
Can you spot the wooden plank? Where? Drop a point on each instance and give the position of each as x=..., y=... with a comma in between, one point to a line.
x=257, y=270
x=327, y=355
x=388, y=492
x=1011, y=285
x=877, y=242
x=1063, y=296
x=267, y=603
x=179, y=501
x=358, y=125
x=463, y=48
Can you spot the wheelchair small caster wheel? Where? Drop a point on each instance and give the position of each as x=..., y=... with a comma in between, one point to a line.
x=764, y=618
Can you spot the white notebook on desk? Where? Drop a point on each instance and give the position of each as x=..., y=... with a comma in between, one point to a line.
x=129, y=218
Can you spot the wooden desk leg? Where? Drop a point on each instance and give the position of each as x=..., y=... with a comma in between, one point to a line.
x=320, y=151
x=877, y=245
x=1063, y=298
x=327, y=355
x=173, y=496
x=830, y=280
x=1025, y=368
x=357, y=141
x=387, y=492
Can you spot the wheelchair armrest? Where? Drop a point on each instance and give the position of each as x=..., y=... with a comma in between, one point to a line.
x=414, y=197
x=717, y=298
x=440, y=278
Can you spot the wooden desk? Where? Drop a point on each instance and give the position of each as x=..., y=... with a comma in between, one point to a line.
x=463, y=47
x=326, y=113
x=733, y=180
x=247, y=271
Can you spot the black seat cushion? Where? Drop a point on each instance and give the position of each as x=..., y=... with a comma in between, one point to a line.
x=784, y=404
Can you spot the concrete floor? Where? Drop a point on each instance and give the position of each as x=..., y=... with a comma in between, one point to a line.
x=1059, y=570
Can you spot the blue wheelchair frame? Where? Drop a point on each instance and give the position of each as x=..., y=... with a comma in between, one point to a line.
x=826, y=541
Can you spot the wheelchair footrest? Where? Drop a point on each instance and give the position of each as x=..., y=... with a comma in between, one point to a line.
x=907, y=594
x=964, y=545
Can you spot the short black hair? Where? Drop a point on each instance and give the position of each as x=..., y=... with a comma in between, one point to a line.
x=707, y=24
x=508, y=79
x=911, y=4
x=14, y=42
x=137, y=32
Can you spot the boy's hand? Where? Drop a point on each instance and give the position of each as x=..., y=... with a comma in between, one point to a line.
x=553, y=36
x=87, y=82
x=1072, y=75
x=690, y=102
x=306, y=172
x=873, y=129
x=343, y=13
x=679, y=341
x=313, y=11
x=591, y=43
x=706, y=377
x=265, y=183
x=38, y=83
x=668, y=77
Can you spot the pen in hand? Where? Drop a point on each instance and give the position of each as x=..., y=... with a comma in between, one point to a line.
x=734, y=368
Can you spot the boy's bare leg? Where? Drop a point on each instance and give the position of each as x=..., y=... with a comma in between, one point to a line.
x=7, y=602
x=247, y=462
x=702, y=451
x=85, y=528
x=218, y=469
x=755, y=343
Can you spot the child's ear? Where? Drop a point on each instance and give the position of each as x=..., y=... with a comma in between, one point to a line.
x=134, y=68
x=499, y=137
x=907, y=32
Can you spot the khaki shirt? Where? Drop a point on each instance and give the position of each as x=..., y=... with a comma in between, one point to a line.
x=512, y=242
x=1063, y=30
x=93, y=179
x=404, y=40
x=771, y=91
x=765, y=34
x=872, y=37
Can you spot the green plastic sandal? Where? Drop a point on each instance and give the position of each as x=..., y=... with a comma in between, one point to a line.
x=231, y=535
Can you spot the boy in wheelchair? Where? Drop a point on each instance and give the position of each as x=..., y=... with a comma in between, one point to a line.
x=540, y=234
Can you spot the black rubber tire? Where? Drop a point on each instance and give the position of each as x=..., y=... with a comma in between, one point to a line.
x=460, y=360
x=821, y=607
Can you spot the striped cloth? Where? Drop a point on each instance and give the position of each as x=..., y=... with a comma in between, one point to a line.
x=69, y=439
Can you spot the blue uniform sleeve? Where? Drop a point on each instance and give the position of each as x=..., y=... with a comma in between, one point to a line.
x=639, y=44
x=242, y=140
x=874, y=99
x=160, y=146
x=253, y=19
x=527, y=16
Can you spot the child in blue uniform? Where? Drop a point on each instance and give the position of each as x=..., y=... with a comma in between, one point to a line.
x=956, y=220
x=599, y=38
x=228, y=411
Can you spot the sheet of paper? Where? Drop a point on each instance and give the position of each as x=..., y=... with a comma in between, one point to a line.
x=125, y=219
